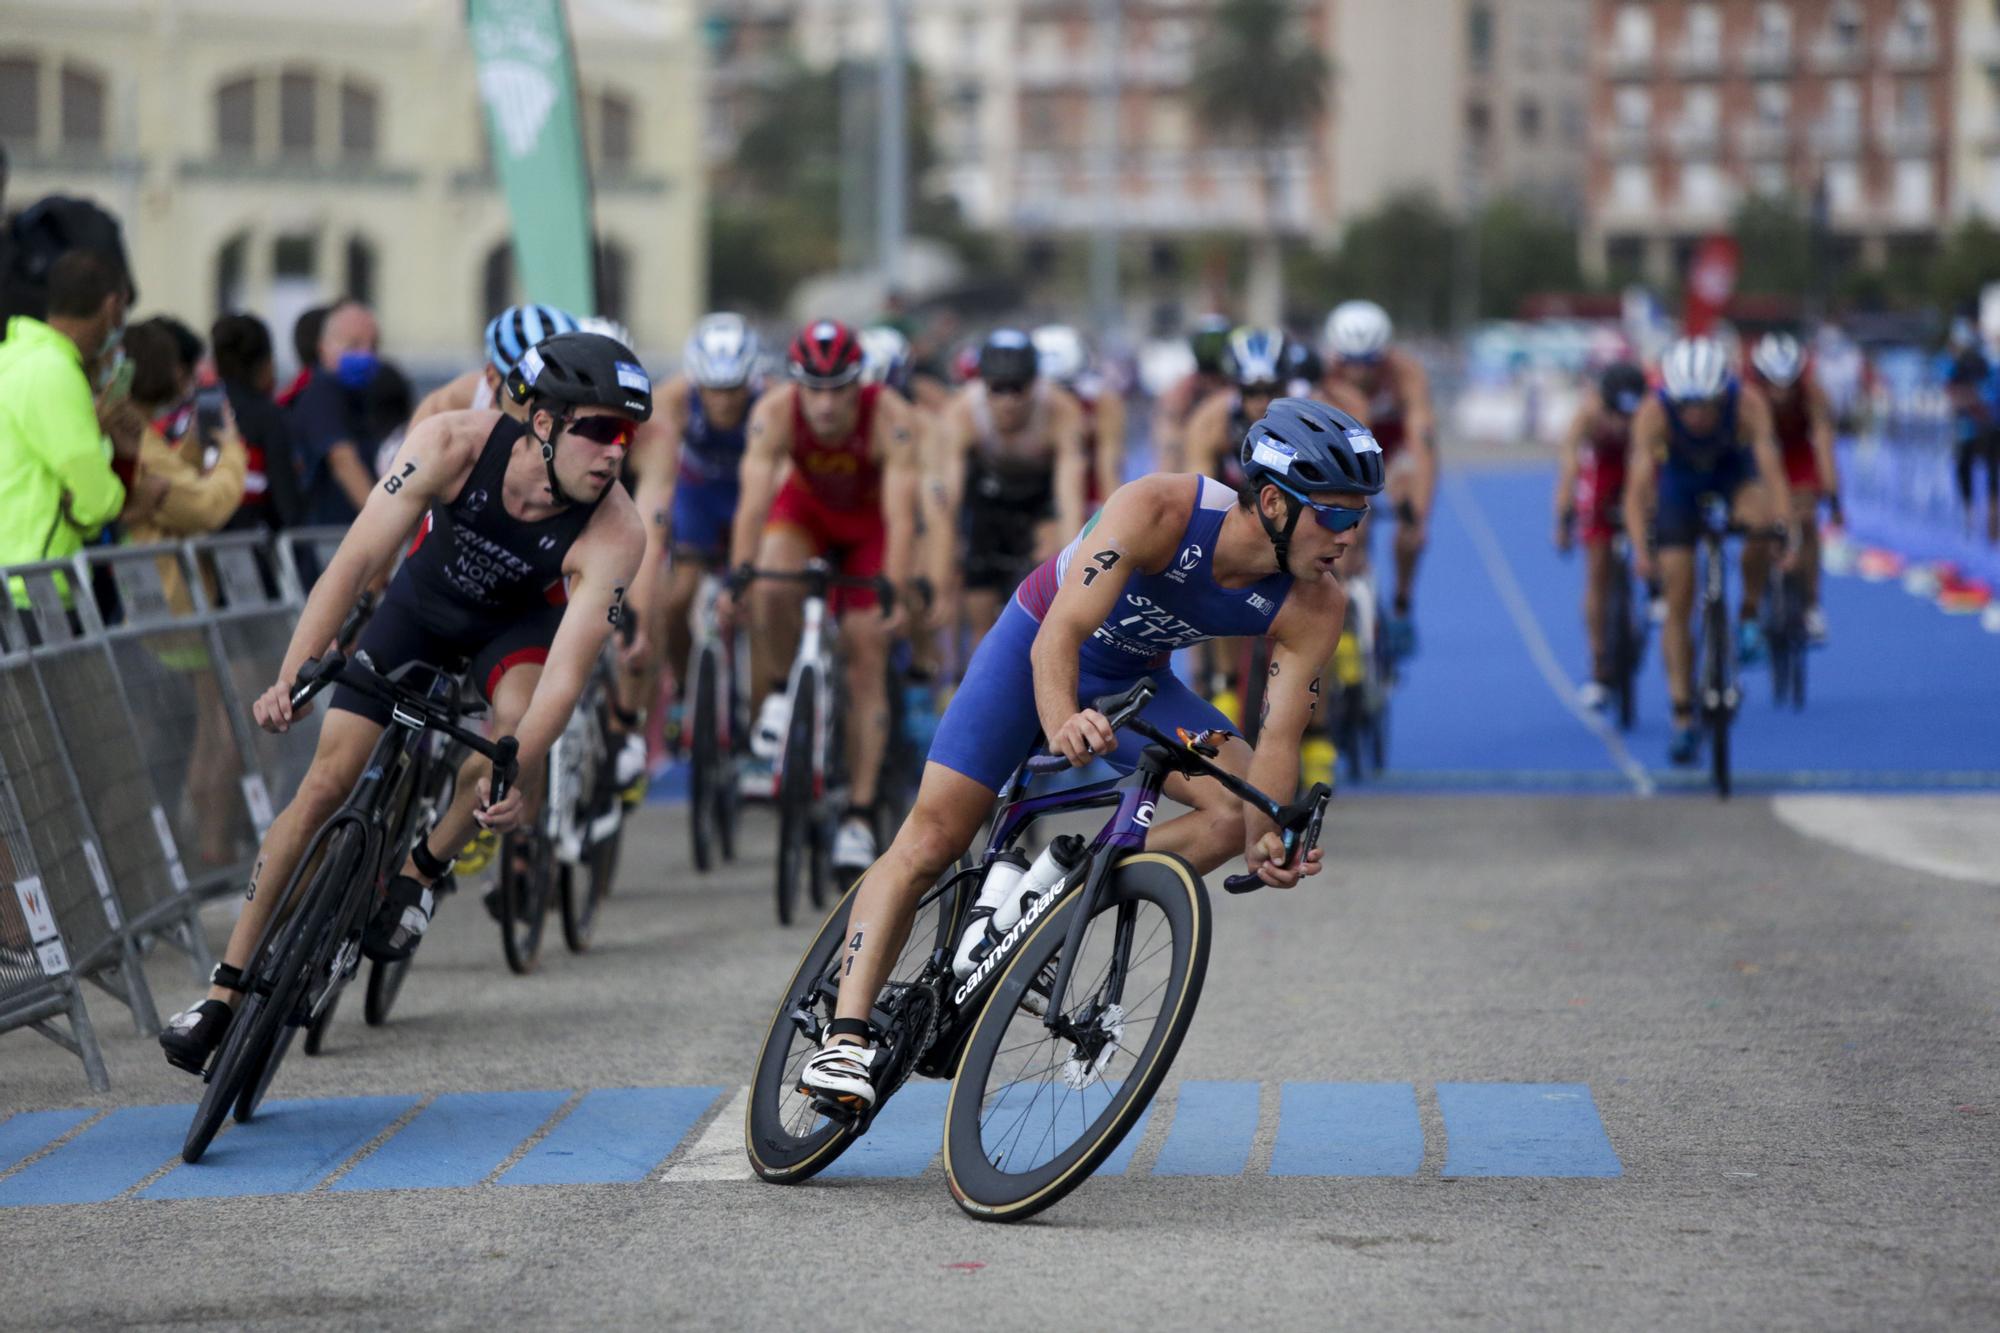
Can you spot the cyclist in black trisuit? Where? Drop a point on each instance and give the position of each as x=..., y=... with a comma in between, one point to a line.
x=524, y=548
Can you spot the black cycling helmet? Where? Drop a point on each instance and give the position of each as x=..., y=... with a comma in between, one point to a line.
x=1008, y=357
x=1622, y=386
x=573, y=370
x=1302, y=445
x=1302, y=362
x=1209, y=341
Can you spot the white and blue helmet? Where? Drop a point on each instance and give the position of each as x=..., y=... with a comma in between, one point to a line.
x=1694, y=370
x=885, y=356
x=1779, y=359
x=1358, y=331
x=721, y=352
x=1256, y=356
x=519, y=327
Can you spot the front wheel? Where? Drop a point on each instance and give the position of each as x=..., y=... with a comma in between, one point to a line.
x=706, y=763
x=527, y=866
x=586, y=886
x=385, y=983
x=1037, y=1106
x=798, y=801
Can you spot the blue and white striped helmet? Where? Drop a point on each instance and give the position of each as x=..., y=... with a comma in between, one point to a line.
x=519, y=327
x=721, y=352
x=1694, y=370
x=1256, y=356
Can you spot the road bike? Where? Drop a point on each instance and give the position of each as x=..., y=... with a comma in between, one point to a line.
x=1718, y=695
x=1785, y=636
x=1622, y=629
x=1056, y=1041
x=811, y=778
x=712, y=706
x=1364, y=677
x=312, y=943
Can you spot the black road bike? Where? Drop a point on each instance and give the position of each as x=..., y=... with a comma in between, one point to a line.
x=1056, y=1042
x=1717, y=694
x=312, y=944
x=1785, y=636
x=712, y=712
x=1622, y=630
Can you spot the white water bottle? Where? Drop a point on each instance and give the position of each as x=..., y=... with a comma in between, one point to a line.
x=1002, y=877
x=1050, y=869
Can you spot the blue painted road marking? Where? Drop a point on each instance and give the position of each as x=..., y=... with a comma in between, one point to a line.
x=614, y=1134
x=459, y=1139
x=1214, y=1124
x=29, y=1132
x=903, y=1139
x=287, y=1149
x=105, y=1160
x=1348, y=1129
x=1121, y=1156
x=1524, y=1129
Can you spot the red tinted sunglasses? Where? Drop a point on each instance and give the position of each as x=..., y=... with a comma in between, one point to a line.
x=603, y=430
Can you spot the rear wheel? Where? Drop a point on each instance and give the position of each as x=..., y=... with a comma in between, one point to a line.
x=705, y=759
x=316, y=1030
x=385, y=983
x=259, y=1083
x=1715, y=692
x=585, y=887
x=527, y=869
x=1034, y=1109
x=798, y=802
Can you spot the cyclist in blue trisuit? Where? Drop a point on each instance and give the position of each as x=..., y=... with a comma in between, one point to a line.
x=1171, y=560
x=1689, y=441
x=685, y=481
x=524, y=546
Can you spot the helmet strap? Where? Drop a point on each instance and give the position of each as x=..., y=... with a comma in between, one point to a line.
x=1281, y=538
x=557, y=422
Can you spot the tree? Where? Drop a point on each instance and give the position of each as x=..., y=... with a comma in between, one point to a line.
x=1775, y=244
x=1400, y=255
x=1969, y=261
x=1259, y=81
x=1523, y=250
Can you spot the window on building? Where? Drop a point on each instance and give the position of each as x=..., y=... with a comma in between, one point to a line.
x=360, y=268
x=1912, y=191
x=1774, y=103
x=1574, y=123
x=1625, y=260
x=1701, y=107
x=1704, y=188
x=20, y=99
x=614, y=134
x=1528, y=41
x=298, y=112
x=1528, y=119
x=1843, y=188
x=1844, y=23
x=1478, y=121
x=236, y=117
x=612, y=280
x=1770, y=180
x=1774, y=25
x=1479, y=37
x=1915, y=24
x=1704, y=30
x=496, y=281
x=295, y=256
x=1843, y=103
x=1632, y=187
x=1633, y=107
x=358, y=129
x=230, y=263
x=82, y=108
x=1634, y=31
x=1913, y=102
x=1041, y=121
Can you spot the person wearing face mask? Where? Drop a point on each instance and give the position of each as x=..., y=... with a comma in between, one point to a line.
x=59, y=401
x=331, y=442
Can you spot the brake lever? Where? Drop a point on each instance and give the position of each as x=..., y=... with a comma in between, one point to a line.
x=506, y=769
x=1300, y=833
x=314, y=674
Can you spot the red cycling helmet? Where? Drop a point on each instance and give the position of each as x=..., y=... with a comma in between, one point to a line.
x=825, y=355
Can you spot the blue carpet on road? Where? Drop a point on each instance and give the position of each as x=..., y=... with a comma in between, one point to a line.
x=624, y=1135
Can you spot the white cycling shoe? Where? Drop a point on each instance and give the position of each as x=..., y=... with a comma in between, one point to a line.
x=1815, y=624
x=774, y=719
x=853, y=845
x=631, y=763
x=1592, y=695
x=842, y=1073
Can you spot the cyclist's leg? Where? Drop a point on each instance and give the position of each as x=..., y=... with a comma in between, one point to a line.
x=774, y=607
x=1401, y=493
x=1676, y=523
x=864, y=644
x=1805, y=512
x=684, y=575
x=1753, y=504
x=1599, y=569
x=510, y=685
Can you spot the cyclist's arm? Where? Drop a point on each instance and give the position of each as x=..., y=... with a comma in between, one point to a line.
x=1303, y=639
x=1757, y=424
x=1569, y=461
x=1067, y=431
x=1137, y=529
x=899, y=443
x=600, y=567
x=1207, y=433
x=1820, y=411
x=1419, y=426
x=656, y=447
x=434, y=458
x=769, y=441
x=947, y=490
x=1170, y=427
x=1649, y=436
x=1110, y=459
x=452, y=396
x=1340, y=394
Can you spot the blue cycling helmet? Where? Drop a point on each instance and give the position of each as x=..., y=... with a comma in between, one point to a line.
x=1302, y=445
x=519, y=327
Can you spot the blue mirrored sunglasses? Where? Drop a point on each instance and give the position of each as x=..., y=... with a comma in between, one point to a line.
x=1334, y=518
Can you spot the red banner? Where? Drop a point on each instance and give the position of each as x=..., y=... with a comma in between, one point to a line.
x=1711, y=281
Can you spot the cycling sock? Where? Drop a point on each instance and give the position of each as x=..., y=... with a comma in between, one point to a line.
x=860, y=812
x=1401, y=605
x=430, y=867
x=626, y=718
x=850, y=1027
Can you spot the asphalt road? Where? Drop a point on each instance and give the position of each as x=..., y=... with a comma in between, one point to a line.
x=1791, y=1048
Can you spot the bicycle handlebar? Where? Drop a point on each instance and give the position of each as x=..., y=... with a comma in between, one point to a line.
x=1298, y=823
x=818, y=577
x=318, y=673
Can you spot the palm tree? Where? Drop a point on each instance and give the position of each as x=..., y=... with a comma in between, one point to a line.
x=1260, y=81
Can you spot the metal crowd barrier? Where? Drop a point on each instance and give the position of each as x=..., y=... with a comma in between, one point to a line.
x=132, y=781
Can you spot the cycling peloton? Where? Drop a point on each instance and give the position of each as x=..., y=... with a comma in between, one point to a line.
x=1209, y=343
x=525, y=546
x=1398, y=393
x=830, y=469
x=685, y=480
x=1803, y=420
x=1590, y=495
x=1171, y=560
x=508, y=334
x=1689, y=441
x=1011, y=458
x=1064, y=359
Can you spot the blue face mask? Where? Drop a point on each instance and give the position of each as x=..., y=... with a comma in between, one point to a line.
x=356, y=370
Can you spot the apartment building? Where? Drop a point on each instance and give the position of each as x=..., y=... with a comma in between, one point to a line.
x=1698, y=104
x=268, y=157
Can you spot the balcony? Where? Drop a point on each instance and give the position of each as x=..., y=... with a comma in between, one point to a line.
x=1833, y=54
x=1760, y=142
x=1698, y=60
x=1626, y=143
x=1901, y=136
x=1766, y=57
x=1696, y=138
x=1836, y=139
x=1908, y=52
x=1627, y=62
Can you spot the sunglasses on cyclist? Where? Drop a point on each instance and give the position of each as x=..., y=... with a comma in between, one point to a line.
x=1269, y=389
x=1007, y=388
x=1334, y=518
x=602, y=430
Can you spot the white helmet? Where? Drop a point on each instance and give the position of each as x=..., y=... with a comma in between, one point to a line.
x=1060, y=353
x=610, y=328
x=1694, y=369
x=721, y=352
x=1358, y=331
x=1779, y=359
x=885, y=355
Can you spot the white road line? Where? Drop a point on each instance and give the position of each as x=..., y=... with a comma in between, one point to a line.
x=1537, y=643
x=718, y=1154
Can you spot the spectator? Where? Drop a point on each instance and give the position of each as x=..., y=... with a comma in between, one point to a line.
x=330, y=440
x=58, y=485
x=305, y=346
x=389, y=404
x=163, y=383
x=244, y=363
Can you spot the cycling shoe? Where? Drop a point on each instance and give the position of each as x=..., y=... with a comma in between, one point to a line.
x=399, y=924
x=192, y=1035
x=1685, y=746
x=1749, y=643
x=841, y=1073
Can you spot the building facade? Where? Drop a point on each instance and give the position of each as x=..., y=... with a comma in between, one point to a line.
x=1847, y=106
x=269, y=157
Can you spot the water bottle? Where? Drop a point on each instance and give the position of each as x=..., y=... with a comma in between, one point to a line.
x=1002, y=878
x=1050, y=868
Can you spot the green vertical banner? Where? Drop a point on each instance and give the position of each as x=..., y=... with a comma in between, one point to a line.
x=527, y=83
